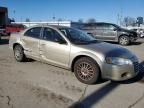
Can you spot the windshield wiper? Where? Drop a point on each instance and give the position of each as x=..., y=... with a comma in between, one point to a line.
x=85, y=42
x=81, y=42
x=93, y=41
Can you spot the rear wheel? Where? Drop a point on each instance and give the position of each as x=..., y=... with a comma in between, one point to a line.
x=19, y=53
x=0, y=36
x=86, y=70
x=124, y=40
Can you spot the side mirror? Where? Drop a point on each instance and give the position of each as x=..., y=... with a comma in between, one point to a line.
x=89, y=33
x=60, y=41
x=114, y=29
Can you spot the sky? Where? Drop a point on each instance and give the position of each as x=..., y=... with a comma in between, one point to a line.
x=101, y=10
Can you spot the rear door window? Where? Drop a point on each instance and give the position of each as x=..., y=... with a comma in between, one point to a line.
x=99, y=26
x=108, y=27
x=33, y=32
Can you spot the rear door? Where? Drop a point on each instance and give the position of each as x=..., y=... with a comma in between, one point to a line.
x=99, y=31
x=31, y=41
x=51, y=50
x=109, y=32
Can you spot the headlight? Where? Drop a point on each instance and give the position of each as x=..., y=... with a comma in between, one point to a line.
x=118, y=61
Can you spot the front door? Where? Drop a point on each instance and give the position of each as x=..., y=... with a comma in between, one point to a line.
x=51, y=50
x=109, y=32
x=99, y=31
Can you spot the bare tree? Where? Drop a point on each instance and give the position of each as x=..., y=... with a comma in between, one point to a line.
x=129, y=21
x=27, y=20
x=60, y=19
x=80, y=21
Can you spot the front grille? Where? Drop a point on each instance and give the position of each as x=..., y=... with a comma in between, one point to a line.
x=136, y=67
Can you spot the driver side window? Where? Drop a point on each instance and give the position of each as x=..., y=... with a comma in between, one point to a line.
x=51, y=35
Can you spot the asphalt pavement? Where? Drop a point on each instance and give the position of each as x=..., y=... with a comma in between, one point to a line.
x=34, y=84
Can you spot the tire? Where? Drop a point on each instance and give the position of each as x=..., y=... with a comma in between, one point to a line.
x=86, y=70
x=124, y=40
x=19, y=53
x=0, y=36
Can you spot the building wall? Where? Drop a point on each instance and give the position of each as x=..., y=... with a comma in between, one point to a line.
x=60, y=23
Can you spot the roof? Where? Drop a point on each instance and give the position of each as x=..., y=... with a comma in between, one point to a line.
x=98, y=23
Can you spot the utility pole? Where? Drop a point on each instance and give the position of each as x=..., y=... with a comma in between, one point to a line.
x=121, y=16
x=53, y=17
x=14, y=12
x=118, y=19
x=21, y=18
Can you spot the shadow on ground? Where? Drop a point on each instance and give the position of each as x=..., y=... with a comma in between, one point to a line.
x=136, y=43
x=96, y=96
x=28, y=60
x=138, y=78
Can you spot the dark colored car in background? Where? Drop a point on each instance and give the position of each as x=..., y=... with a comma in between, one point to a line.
x=110, y=32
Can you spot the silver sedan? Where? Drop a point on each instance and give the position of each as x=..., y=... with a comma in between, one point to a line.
x=75, y=50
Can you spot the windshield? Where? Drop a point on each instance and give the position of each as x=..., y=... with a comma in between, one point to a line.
x=77, y=36
x=117, y=26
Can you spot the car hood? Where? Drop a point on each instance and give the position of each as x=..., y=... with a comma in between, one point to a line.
x=108, y=50
x=126, y=30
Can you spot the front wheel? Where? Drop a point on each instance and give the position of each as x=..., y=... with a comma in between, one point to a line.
x=18, y=53
x=86, y=70
x=124, y=40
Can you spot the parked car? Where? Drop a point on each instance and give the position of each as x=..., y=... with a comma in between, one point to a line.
x=75, y=50
x=139, y=31
x=1, y=32
x=13, y=28
x=110, y=32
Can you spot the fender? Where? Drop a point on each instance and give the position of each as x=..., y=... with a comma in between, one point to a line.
x=83, y=54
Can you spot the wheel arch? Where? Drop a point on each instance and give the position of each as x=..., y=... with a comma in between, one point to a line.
x=122, y=35
x=15, y=44
x=80, y=56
